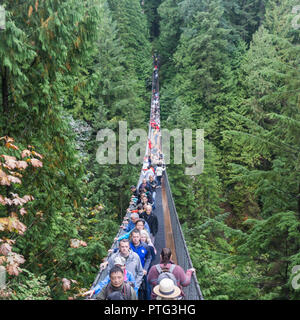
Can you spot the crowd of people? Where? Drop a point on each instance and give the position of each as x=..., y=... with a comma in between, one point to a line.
x=132, y=274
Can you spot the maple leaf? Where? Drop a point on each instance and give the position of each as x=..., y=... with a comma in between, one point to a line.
x=74, y=243
x=83, y=243
x=10, y=241
x=4, y=181
x=36, y=163
x=7, y=158
x=11, y=164
x=66, y=284
x=23, y=211
x=12, y=146
x=14, y=179
x=40, y=213
x=5, y=249
x=15, y=258
x=14, y=194
x=19, y=258
x=17, y=225
x=8, y=201
x=37, y=154
x=27, y=198
x=21, y=164
x=4, y=222
x=2, y=259
x=18, y=201
x=13, y=269
x=9, y=161
x=7, y=139
x=16, y=174
x=2, y=200
x=25, y=153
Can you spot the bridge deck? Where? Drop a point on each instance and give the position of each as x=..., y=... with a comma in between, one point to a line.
x=160, y=241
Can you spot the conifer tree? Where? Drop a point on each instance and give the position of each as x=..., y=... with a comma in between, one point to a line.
x=272, y=139
x=134, y=37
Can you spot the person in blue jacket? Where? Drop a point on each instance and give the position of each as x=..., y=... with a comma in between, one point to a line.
x=140, y=224
x=141, y=248
x=143, y=251
x=134, y=217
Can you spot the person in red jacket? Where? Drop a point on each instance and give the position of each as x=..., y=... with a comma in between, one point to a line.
x=183, y=278
x=149, y=144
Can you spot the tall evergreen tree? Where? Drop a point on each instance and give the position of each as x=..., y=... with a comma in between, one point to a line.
x=134, y=37
x=272, y=138
x=43, y=48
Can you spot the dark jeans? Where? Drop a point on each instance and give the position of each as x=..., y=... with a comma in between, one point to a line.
x=158, y=178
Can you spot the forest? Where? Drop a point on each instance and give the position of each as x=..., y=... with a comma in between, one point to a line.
x=70, y=68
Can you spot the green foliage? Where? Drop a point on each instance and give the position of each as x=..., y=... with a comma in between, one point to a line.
x=28, y=286
x=170, y=30
x=70, y=68
x=149, y=7
x=134, y=36
x=247, y=100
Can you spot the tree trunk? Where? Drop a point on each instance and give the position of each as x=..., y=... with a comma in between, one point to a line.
x=5, y=107
x=299, y=200
x=4, y=90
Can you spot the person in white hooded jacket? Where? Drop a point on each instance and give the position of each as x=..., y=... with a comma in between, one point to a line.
x=159, y=172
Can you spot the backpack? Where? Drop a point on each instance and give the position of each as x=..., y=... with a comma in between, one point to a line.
x=166, y=273
x=118, y=295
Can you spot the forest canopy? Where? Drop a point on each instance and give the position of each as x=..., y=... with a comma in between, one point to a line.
x=71, y=68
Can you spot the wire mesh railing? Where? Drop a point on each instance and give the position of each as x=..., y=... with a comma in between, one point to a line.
x=193, y=291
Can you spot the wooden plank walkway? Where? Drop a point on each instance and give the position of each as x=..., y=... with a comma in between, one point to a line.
x=168, y=226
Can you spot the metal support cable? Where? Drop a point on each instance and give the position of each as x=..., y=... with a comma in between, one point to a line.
x=193, y=291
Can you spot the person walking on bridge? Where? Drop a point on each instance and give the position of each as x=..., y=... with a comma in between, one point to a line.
x=133, y=262
x=159, y=173
x=117, y=288
x=183, y=279
x=128, y=277
x=152, y=220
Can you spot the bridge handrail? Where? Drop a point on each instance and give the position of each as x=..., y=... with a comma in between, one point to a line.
x=193, y=291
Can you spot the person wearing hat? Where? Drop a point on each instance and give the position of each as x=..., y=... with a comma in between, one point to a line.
x=128, y=277
x=167, y=290
x=183, y=278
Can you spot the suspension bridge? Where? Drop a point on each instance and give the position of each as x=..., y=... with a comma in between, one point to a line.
x=169, y=233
